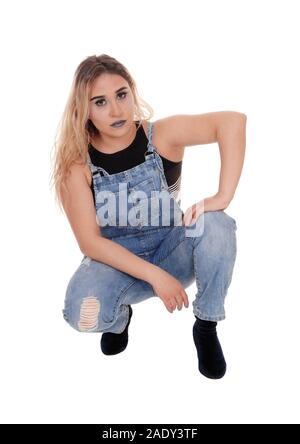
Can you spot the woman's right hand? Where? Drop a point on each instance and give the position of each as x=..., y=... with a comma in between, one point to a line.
x=168, y=289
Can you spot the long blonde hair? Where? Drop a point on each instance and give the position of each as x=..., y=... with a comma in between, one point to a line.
x=75, y=129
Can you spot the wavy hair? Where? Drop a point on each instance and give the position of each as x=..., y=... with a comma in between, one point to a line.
x=75, y=129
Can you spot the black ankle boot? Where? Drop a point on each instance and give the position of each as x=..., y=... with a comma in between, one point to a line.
x=210, y=356
x=114, y=343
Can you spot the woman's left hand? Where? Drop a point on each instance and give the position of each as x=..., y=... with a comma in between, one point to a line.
x=213, y=203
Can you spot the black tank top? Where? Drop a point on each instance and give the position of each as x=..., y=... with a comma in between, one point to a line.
x=133, y=155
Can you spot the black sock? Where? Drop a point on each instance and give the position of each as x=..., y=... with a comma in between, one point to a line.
x=210, y=356
x=113, y=343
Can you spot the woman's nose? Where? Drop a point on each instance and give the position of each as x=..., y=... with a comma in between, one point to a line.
x=115, y=109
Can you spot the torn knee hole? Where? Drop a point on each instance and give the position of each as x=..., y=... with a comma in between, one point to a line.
x=89, y=312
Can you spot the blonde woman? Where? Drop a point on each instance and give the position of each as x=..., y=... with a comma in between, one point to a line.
x=117, y=176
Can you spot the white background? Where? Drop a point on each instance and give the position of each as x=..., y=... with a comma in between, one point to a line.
x=187, y=57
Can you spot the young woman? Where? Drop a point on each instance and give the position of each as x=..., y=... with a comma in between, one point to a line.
x=109, y=153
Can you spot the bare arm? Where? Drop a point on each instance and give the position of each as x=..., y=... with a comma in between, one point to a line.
x=79, y=207
x=165, y=286
x=111, y=253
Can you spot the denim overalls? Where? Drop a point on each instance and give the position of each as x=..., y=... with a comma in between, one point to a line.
x=98, y=295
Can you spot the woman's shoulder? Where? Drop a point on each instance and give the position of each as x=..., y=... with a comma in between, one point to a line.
x=79, y=167
x=161, y=140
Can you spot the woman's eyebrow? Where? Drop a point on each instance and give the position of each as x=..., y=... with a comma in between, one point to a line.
x=118, y=90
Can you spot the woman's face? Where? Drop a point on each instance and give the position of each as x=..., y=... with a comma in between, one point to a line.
x=110, y=100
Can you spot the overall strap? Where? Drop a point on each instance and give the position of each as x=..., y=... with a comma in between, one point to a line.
x=95, y=169
x=150, y=147
x=90, y=164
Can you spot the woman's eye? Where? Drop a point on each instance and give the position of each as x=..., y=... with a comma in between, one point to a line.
x=124, y=94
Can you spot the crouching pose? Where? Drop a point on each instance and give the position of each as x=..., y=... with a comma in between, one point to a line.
x=117, y=176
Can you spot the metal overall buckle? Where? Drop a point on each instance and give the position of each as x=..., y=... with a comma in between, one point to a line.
x=146, y=152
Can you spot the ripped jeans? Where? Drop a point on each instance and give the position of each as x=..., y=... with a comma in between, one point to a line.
x=98, y=295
